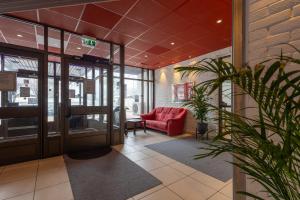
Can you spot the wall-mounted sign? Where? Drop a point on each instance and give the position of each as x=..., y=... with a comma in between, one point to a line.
x=71, y=93
x=182, y=92
x=26, y=82
x=88, y=41
x=8, y=81
x=89, y=86
x=24, y=91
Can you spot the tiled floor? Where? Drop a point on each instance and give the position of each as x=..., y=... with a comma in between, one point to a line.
x=48, y=178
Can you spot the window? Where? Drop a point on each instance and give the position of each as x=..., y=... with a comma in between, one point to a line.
x=137, y=90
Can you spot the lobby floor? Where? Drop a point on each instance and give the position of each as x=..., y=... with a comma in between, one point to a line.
x=48, y=178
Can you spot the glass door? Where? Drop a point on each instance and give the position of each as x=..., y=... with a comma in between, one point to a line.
x=20, y=105
x=87, y=105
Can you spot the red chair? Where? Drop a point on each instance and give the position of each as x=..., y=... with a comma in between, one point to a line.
x=166, y=119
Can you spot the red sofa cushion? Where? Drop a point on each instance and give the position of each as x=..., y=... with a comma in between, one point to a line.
x=157, y=124
x=166, y=113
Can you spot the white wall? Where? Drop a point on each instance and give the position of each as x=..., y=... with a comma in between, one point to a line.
x=165, y=77
x=270, y=23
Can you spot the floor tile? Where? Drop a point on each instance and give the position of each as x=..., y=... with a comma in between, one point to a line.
x=182, y=168
x=208, y=180
x=165, y=159
x=136, y=156
x=150, y=152
x=13, y=174
x=17, y=188
x=164, y=194
x=124, y=148
x=190, y=189
x=28, y=196
x=58, y=192
x=49, y=165
x=148, y=192
x=227, y=190
x=51, y=177
x=219, y=196
x=33, y=163
x=167, y=175
x=150, y=164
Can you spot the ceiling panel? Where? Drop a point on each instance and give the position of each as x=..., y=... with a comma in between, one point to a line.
x=144, y=11
x=57, y=19
x=119, y=7
x=140, y=45
x=155, y=33
x=172, y=4
x=157, y=50
x=92, y=30
x=71, y=11
x=100, y=16
x=31, y=15
x=130, y=27
x=173, y=23
x=119, y=38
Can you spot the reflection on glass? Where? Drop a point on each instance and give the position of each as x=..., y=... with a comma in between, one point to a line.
x=133, y=98
x=54, y=101
x=226, y=92
x=151, y=106
x=18, y=127
x=88, y=124
x=145, y=97
x=26, y=93
x=81, y=80
x=116, y=98
x=133, y=72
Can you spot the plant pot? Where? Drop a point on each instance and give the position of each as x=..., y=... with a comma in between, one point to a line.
x=202, y=128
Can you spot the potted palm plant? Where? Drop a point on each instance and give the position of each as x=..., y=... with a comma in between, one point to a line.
x=266, y=146
x=199, y=106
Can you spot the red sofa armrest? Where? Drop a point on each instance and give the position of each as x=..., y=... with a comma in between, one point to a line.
x=149, y=116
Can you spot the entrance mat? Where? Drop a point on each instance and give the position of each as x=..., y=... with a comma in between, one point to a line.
x=110, y=177
x=184, y=150
x=89, y=154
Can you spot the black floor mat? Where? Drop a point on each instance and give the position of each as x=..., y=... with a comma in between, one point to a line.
x=110, y=177
x=90, y=154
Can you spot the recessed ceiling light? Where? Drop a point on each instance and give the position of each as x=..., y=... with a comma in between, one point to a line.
x=172, y=43
x=78, y=48
x=190, y=56
x=19, y=35
x=219, y=21
x=146, y=56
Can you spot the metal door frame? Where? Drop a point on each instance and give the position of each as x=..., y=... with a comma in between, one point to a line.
x=84, y=110
x=23, y=149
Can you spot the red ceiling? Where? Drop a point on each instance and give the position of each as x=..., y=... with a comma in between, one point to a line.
x=146, y=27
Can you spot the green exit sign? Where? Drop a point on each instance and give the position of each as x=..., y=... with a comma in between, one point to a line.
x=88, y=42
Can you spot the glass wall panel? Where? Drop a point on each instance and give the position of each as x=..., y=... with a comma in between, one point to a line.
x=26, y=93
x=88, y=124
x=133, y=72
x=20, y=33
x=145, y=97
x=116, y=97
x=116, y=52
x=54, y=95
x=151, y=94
x=133, y=98
x=18, y=127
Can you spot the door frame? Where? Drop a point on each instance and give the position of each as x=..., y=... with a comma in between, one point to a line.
x=24, y=148
x=84, y=110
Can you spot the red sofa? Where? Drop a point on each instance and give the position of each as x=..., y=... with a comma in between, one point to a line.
x=166, y=119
